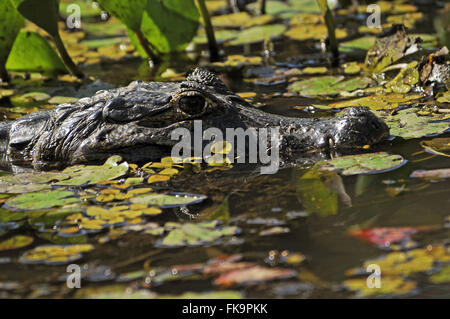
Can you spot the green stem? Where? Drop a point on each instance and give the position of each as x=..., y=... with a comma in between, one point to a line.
x=212, y=43
x=4, y=76
x=66, y=58
x=145, y=45
x=262, y=6
x=331, y=27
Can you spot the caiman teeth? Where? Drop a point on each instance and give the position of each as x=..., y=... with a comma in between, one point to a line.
x=331, y=142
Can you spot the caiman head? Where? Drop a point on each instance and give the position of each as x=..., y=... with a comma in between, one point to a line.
x=137, y=121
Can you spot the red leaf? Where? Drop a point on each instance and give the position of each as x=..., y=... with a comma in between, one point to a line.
x=385, y=236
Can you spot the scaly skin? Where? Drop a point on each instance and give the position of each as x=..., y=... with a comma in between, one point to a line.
x=136, y=122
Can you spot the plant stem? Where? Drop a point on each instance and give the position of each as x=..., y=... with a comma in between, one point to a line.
x=145, y=45
x=4, y=77
x=262, y=6
x=66, y=58
x=331, y=27
x=212, y=43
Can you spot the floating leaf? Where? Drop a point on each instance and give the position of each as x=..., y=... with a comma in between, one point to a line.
x=158, y=178
x=55, y=254
x=372, y=163
x=16, y=242
x=432, y=174
x=258, y=34
x=62, y=99
x=389, y=286
x=20, y=189
x=221, y=36
x=407, y=124
x=224, y=294
x=444, y=98
x=362, y=44
x=238, y=61
x=40, y=200
x=352, y=68
x=303, y=32
x=378, y=102
x=240, y=19
x=386, y=236
x=113, y=292
x=28, y=182
x=253, y=275
x=442, y=276
x=197, y=234
x=9, y=216
x=328, y=85
x=410, y=262
x=29, y=99
x=165, y=201
x=274, y=231
x=91, y=174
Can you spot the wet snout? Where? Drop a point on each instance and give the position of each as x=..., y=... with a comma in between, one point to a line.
x=357, y=127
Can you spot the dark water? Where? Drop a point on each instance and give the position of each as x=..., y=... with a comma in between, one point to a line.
x=324, y=240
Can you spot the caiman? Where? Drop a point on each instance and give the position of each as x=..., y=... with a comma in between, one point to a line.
x=136, y=122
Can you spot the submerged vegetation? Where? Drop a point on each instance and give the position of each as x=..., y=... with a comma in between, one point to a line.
x=218, y=230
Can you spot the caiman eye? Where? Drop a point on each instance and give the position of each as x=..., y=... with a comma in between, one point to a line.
x=192, y=105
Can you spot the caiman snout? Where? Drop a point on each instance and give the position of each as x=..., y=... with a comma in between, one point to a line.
x=356, y=127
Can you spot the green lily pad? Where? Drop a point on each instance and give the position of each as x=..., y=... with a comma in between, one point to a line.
x=258, y=34
x=92, y=174
x=361, y=44
x=62, y=99
x=55, y=254
x=442, y=276
x=303, y=32
x=16, y=242
x=371, y=163
x=221, y=36
x=444, y=97
x=20, y=189
x=190, y=234
x=28, y=182
x=277, y=8
x=328, y=85
x=240, y=19
x=29, y=99
x=32, y=178
x=377, y=102
x=165, y=201
x=407, y=124
x=9, y=216
x=40, y=200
